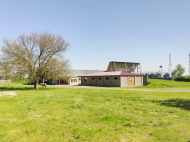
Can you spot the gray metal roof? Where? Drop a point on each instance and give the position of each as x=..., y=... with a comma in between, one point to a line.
x=124, y=62
x=75, y=72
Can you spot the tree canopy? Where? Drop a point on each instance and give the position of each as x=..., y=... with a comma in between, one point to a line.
x=178, y=71
x=37, y=56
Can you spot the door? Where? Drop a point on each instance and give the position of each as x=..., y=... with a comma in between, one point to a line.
x=131, y=80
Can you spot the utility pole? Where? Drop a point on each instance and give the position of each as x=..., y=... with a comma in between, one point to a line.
x=189, y=64
x=170, y=64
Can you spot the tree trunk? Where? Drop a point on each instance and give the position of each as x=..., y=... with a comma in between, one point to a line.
x=36, y=85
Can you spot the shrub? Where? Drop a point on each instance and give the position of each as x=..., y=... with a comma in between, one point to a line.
x=21, y=80
x=182, y=77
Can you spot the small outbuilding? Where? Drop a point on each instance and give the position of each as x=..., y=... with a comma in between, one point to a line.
x=112, y=79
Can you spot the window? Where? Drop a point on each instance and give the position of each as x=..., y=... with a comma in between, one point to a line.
x=73, y=80
x=107, y=78
x=85, y=79
x=115, y=78
x=93, y=78
x=99, y=78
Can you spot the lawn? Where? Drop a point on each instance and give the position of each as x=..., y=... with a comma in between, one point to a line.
x=165, y=84
x=76, y=114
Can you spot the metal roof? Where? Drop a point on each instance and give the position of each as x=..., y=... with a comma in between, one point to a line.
x=111, y=73
x=75, y=72
x=124, y=62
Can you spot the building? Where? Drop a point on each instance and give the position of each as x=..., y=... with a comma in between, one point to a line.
x=112, y=79
x=117, y=74
x=124, y=66
x=73, y=80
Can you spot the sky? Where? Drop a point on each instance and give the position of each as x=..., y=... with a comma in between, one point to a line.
x=100, y=31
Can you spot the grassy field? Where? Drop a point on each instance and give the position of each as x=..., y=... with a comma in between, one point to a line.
x=70, y=114
x=157, y=84
x=165, y=84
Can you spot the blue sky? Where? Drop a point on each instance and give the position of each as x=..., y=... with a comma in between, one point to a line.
x=101, y=31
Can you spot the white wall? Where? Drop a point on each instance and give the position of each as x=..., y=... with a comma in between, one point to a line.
x=124, y=81
x=138, y=81
x=73, y=83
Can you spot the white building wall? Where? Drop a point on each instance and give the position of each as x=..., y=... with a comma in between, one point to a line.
x=138, y=81
x=73, y=81
x=124, y=81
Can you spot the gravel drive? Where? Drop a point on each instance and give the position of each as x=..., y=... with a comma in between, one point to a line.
x=146, y=90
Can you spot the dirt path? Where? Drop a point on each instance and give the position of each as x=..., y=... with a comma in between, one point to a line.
x=146, y=90
x=12, y=93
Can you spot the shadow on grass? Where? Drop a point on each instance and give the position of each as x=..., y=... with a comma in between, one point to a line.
x=180, y=103
x=95, y=86
x=14, y=88
x=5, y=88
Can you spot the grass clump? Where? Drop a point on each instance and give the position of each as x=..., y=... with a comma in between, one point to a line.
x=165, y=84
x=182, y=77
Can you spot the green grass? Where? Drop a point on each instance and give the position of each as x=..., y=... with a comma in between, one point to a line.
x=76, y=114
x=165, y=84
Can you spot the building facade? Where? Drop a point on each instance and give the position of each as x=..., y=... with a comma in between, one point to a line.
x=73, y=80
x=112, y=79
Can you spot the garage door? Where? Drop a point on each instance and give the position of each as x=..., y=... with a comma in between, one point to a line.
x=131, y=80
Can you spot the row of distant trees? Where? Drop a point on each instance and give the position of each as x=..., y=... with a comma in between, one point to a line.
x=35, y=56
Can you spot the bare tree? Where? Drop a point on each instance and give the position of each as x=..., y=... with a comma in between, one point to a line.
x=38, y=55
